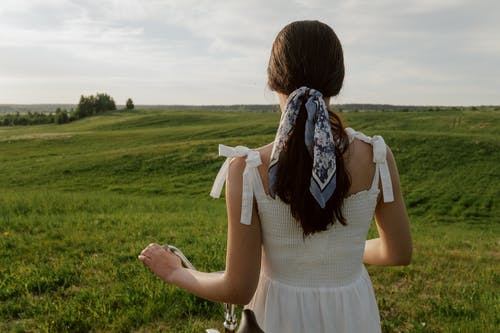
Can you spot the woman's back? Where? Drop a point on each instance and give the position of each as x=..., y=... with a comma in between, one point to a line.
x=323, y=271
x=325, y=258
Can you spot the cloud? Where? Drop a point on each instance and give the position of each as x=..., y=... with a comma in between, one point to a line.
x=196, y=52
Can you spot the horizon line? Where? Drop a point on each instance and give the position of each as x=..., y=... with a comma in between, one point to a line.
x=261, y=104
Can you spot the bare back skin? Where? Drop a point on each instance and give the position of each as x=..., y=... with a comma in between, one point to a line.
x=358, y=159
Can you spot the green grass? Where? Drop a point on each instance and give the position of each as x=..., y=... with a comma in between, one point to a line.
x=79, y=201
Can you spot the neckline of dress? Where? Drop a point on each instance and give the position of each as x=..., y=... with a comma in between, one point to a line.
x=349, y=197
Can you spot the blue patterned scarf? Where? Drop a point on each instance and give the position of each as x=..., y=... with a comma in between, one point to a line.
x=318, y=139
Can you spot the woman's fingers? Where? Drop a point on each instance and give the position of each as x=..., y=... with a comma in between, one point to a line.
x=151, y=251
x=150, y=248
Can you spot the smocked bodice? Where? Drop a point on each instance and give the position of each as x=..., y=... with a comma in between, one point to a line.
x=330, y=258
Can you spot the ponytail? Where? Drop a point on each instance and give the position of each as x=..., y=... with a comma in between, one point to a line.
x=294, y=174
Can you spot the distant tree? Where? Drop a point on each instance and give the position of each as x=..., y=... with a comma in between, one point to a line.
x=91, y=105
x=130, y=104
x=20, y=120
x=85, y=107
x=104, y=102
x=72, y=115
x=25, y=119
x=61, y=116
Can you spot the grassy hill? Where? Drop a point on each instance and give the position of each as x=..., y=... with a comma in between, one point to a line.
x=79, y=201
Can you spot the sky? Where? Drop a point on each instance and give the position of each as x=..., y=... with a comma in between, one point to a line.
x=405, y=52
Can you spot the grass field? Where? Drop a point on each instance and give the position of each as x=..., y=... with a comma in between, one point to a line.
x=79, y=201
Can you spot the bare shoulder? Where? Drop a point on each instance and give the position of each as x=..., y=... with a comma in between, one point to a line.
x=265, y=156
x=363, y=152
x=359, y=153
x=265, y=153
x=236, y=165
x=359, y=163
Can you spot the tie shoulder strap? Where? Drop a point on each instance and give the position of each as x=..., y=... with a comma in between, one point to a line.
x=251, y=178
x=382, y=169
x=380, y=160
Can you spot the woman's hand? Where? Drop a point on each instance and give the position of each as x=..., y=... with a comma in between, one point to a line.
x=162, y=262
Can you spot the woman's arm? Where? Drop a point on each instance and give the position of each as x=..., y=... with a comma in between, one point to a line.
x=394, y=246
x=239, y=281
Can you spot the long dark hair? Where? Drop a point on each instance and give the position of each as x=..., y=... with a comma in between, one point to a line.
x=308, y=53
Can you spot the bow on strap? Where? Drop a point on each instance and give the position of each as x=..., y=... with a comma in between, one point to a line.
x=250, y=177
x=380, y=160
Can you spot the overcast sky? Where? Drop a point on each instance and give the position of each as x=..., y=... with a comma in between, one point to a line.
x=424, y=52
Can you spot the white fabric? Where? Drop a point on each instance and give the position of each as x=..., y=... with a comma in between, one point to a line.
x=319, y=283
x=251, y=180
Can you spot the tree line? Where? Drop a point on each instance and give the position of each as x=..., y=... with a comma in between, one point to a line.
x=87, y=106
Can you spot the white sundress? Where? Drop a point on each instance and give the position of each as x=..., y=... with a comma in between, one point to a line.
x=316, y=284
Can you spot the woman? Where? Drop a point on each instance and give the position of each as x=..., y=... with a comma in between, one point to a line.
x=299, y=209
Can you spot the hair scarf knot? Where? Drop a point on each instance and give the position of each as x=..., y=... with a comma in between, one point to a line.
x=318, y=140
